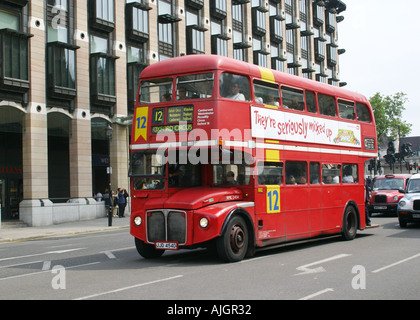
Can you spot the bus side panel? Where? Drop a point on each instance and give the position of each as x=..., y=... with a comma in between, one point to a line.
x=270, y=223
x=315, y=210
x=296, y=210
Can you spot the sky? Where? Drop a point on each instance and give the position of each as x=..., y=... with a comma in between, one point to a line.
x=382, y=43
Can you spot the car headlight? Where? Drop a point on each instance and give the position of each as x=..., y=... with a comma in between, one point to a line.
x=204, y=222
x=137, y=220
x=402, y=203
x=395, y=198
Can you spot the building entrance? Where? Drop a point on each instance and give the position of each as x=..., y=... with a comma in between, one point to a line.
x=10, y=197
x=11, y=163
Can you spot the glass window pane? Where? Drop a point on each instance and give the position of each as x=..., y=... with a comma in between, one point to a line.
x=9, y=20
x=326, y=105
x=296, y=172
x=363, y=113
x=310, y=101
x=292, y=98
x=234, y=87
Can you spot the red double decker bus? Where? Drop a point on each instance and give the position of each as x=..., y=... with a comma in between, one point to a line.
x=237, y=156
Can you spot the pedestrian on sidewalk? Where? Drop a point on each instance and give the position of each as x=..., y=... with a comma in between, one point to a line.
x=122, y=201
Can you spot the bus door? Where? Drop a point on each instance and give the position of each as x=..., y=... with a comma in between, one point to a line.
x=296, y=195
x=268, y=201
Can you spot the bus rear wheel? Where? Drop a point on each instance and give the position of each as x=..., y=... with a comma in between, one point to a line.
x=233, y=244
x=349, y=223
x=146, y=250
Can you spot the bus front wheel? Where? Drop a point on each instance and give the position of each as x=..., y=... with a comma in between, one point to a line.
x=232, y=245
x=349, y=223
x=146, y=250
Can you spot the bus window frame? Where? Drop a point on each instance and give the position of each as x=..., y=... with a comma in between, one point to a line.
x=247, y=95
x=315, y=103
x=293, y=89
x=159, y=95
x=179, y=84
x=366, y=107
x=335, y=105
x=338, y=167
x=262, y=165
x=297, y=180
x=346, y=103
x=273, y=86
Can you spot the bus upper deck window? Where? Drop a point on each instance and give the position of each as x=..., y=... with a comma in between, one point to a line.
x=233, y=86
x=292, y=98
x=346, y=109
x=195, y=86
x=363, y=113
x=310, y=101
x=327, y=105
x=266, y=93
x=156, y=90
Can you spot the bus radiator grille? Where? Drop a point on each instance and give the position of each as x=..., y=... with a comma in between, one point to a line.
x=166, y=225
x=380, y=199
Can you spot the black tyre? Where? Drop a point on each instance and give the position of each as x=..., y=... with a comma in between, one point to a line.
x=403, y=223
x=350, y=222
x=146, y=250
x=232, y=246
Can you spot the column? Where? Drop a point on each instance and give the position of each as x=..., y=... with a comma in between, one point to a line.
x=36, y=209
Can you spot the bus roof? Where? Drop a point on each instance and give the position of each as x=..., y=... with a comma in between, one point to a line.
x=208, y=62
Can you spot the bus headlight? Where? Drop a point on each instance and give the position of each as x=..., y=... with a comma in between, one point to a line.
x=204, y=222
x=137, y=220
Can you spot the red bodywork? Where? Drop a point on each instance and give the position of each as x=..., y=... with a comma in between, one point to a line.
x=304, y=210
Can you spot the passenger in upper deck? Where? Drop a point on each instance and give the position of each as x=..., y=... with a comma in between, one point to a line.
x=235, y=93
x=182, y=93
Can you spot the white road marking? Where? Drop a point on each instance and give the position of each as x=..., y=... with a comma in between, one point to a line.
x=306, y=270
x=316, y=294
x=110, y=255
x=40, y=254
x=129, y=287
x=396, y=263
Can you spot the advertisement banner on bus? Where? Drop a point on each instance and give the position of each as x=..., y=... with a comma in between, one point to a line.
x=274, y=124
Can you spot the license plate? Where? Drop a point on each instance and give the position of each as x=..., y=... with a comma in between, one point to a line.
x=166, y=245
x=416, y=215
x=379, y=207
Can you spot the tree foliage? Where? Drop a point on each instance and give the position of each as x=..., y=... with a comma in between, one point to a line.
x=388, y=112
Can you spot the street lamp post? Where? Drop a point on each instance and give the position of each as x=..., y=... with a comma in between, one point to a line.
x=108, y=133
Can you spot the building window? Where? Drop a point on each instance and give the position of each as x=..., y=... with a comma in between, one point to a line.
x=239, y=36
x=318, y=13
x=195, y=31
x=137, y=21
x=14, y=61
x=136, y=62
x=101, y=15
x=14, y=54
x=61, y=54
x=260, y=54
x=102, y=74
x=61, y=70
x=218, y=38
x=166, y=29
x=218, y=9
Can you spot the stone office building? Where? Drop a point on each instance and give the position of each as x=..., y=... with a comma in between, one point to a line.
x=69, y=69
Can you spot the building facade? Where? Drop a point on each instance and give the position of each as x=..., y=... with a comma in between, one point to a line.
x=69, y=69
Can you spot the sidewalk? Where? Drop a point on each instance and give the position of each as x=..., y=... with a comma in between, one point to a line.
x=63, y=229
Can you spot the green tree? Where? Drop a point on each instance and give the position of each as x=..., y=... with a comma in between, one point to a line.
x=388, y=112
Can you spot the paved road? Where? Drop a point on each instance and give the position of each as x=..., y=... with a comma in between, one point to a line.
x=381, y=263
